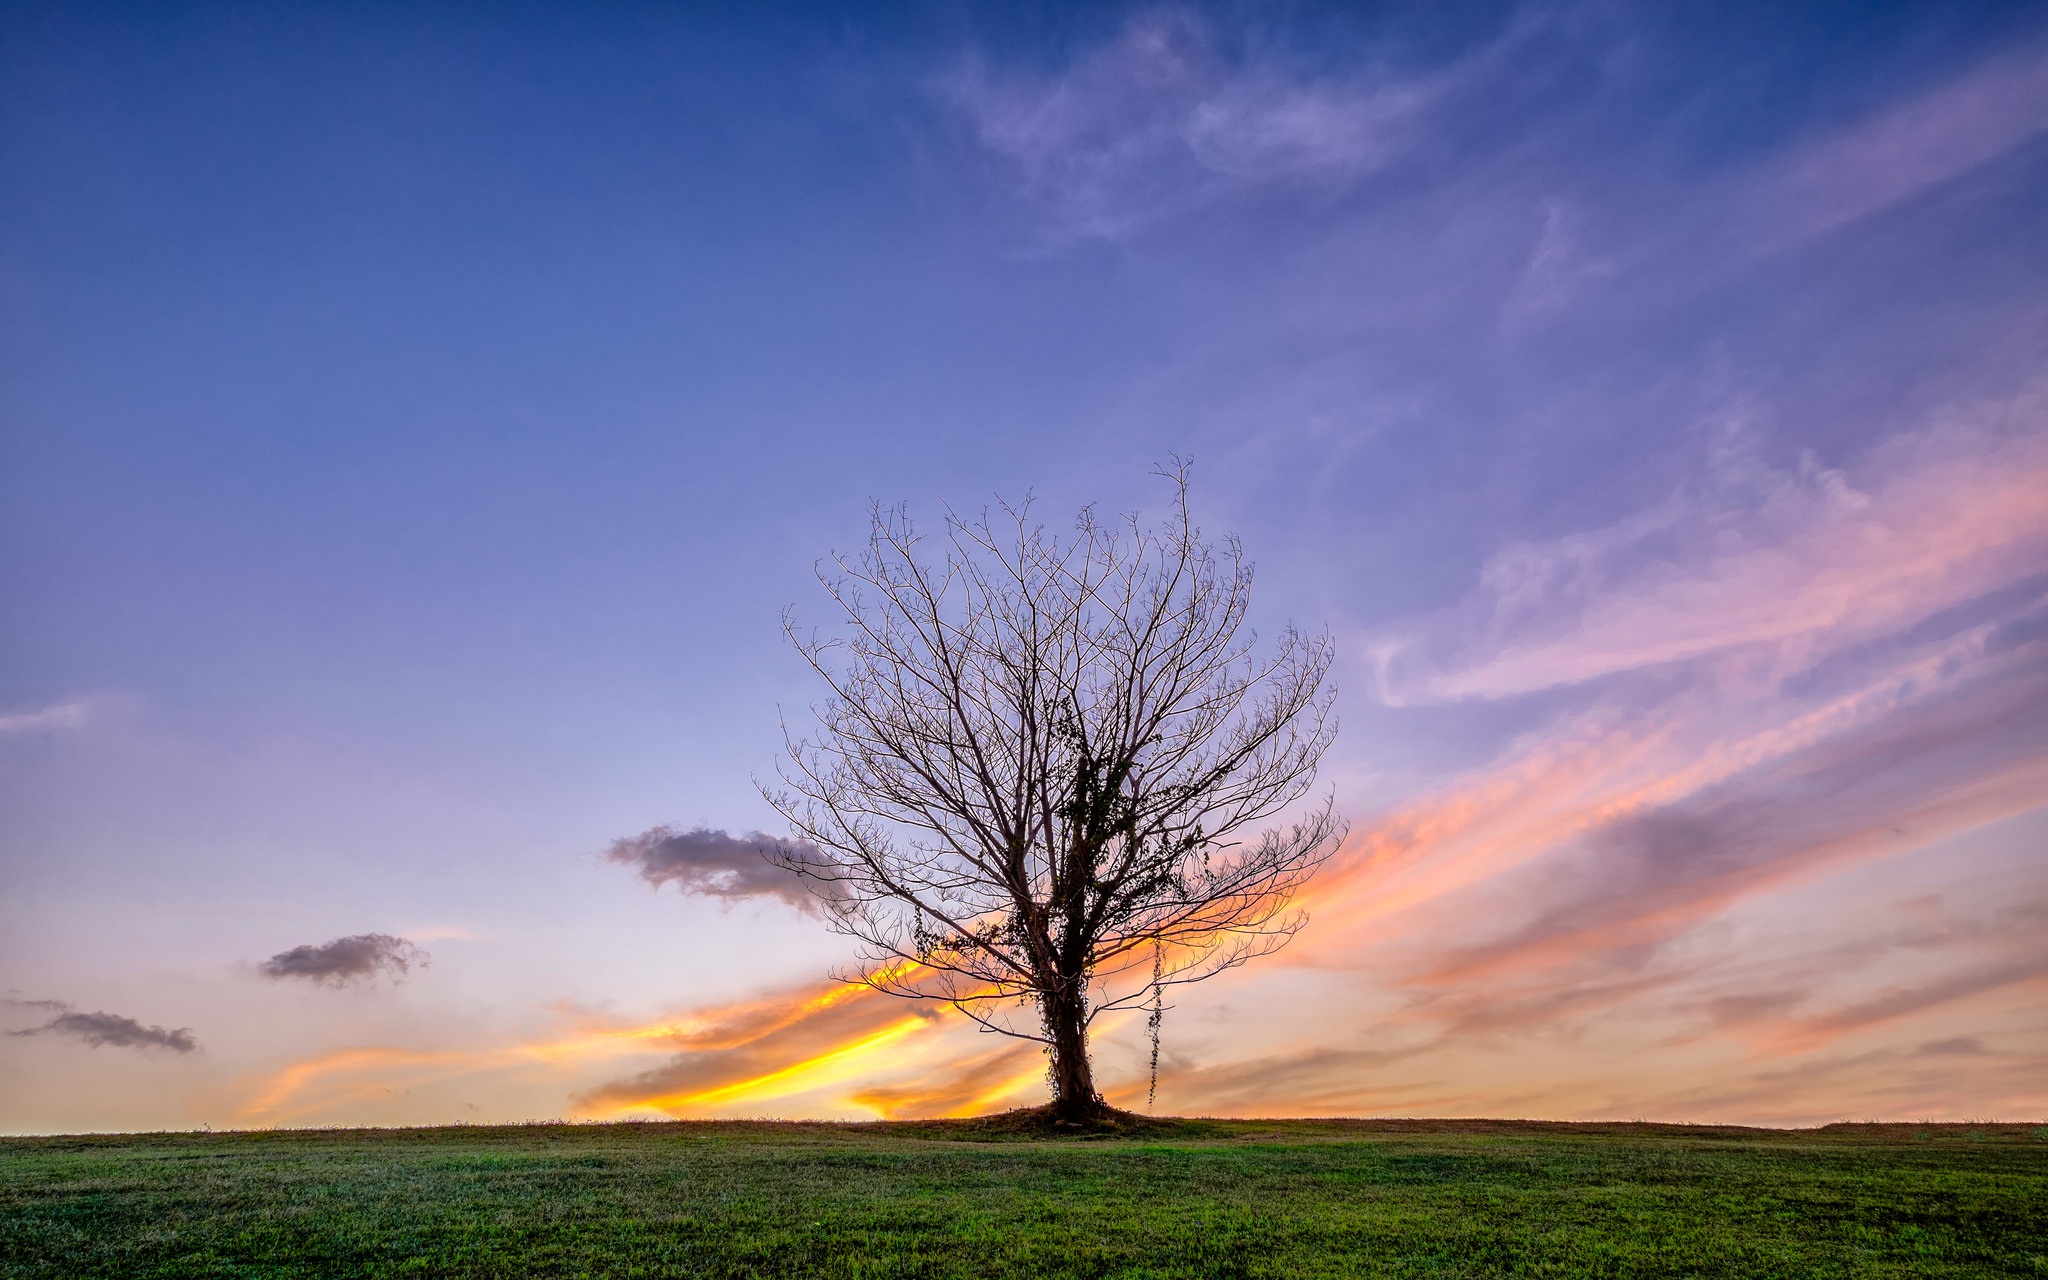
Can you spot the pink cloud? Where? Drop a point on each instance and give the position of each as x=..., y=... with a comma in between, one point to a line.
x=1780, y=567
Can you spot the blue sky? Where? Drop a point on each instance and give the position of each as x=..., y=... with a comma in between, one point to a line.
x=414, y=421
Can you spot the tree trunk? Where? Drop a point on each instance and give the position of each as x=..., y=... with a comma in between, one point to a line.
x=1074, y=1100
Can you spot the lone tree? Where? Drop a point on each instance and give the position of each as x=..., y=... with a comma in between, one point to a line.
x=1036, y=775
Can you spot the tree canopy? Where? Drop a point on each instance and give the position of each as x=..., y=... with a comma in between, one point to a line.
x=1039, y=780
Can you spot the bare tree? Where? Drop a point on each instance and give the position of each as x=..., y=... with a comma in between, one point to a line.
x=1039, y=764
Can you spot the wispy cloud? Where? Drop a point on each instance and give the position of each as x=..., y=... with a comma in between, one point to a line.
x=1164, y=118
x=1842, y=675
x=1179, y=110
x=99, y=1028
x=1786, y=566
x=60, y=715
x=1910, y=146
x=362, y=957
x=1624, y=874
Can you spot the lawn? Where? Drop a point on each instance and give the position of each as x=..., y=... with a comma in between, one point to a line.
x=1185, y=1198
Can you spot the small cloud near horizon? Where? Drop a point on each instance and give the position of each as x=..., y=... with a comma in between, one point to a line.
x=100, y=1028
x=360, y=957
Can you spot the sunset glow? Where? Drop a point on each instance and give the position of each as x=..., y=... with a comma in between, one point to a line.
x=406, y=463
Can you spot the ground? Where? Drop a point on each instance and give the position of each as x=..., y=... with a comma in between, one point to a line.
x=1153, y=1199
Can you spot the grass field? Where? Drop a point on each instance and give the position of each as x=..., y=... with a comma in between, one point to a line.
x=1181, y=1198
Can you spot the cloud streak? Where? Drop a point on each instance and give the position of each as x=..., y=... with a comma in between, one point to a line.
x=98, y=1029
x=1912, y=146
x=61, y=715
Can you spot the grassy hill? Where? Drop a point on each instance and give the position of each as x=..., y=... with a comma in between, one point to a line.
x=1167, y=1198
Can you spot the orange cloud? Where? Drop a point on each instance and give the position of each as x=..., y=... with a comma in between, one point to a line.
x=801, y=1042
x=1812, y=565
x=319, y=1084
x=968, y=1086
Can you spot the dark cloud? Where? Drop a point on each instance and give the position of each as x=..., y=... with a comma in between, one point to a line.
x=99, y=1028
x=359, y=958
x=704, y=861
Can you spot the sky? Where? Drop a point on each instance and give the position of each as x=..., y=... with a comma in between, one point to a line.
x=414, y=421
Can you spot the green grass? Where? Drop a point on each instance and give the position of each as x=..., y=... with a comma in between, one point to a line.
x=1189, y=1198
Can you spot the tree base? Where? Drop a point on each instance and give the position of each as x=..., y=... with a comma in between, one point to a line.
x=1046, y=1121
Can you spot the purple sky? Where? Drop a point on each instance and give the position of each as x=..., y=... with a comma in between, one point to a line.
x=414, y=421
